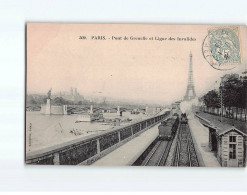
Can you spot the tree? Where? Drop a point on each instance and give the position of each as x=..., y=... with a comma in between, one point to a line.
x=211, y=99
x=232, y=92
x=61, y=101
x=243, y=102
x=234, y=95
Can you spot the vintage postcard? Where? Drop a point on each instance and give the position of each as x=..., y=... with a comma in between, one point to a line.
x=136, y=95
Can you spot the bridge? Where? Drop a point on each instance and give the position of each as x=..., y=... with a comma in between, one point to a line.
x=96, y=108
x=85, y=108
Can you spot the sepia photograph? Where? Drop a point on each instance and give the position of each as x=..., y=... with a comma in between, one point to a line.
x=135, y=95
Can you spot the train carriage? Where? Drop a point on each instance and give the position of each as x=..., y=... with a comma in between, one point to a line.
x=165, y=132
x=168, y=128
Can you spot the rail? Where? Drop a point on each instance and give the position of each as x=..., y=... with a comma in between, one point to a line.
x=152, y=153
x=164, y=156
x=185, y=152
x=88, y=149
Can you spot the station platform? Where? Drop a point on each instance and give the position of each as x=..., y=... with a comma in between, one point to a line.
x=225, y=125
x=128, y=153
x=201, y=137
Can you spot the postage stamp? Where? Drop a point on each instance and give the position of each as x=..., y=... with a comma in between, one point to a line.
x=221, y=48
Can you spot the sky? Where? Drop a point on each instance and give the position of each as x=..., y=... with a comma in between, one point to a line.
x=149, y=70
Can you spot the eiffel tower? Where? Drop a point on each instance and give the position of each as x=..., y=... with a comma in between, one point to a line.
x=190, y=92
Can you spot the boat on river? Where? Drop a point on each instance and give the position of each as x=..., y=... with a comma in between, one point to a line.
x=85, y=118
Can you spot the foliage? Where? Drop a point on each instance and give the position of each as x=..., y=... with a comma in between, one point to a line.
x=211, y=99
x=234, y=94
x=61, y=101
x=35, y=100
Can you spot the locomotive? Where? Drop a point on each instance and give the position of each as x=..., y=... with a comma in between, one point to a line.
x=184, y=119
x=168, y=128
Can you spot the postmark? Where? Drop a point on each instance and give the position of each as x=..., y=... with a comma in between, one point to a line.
x=221, y=48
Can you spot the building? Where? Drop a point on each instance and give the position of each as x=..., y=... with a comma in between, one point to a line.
x=227, y=141
x=227, y=76
x=111, y=110
x=230, y=146
x=152, y=110
x=71, y=95
x=176, y=105
x=243, y=77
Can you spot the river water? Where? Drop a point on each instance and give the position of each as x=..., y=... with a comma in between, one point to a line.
x=47, y=130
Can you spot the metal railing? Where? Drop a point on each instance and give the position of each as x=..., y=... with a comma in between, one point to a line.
x=88, y=149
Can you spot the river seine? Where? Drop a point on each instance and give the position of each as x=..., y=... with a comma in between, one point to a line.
x=47, y=130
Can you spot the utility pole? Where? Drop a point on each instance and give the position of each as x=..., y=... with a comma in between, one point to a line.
x=221, y=100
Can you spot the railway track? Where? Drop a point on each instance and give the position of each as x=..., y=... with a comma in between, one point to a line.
x=185, y=154
x=158, y=155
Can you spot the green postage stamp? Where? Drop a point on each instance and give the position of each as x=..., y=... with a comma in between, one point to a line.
x=221, y=48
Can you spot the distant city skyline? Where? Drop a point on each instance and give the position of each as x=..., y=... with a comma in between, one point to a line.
x=99, y=98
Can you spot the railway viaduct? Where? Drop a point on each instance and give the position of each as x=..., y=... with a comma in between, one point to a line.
x=88, y=149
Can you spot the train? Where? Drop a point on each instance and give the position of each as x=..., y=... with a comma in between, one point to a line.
x=184, y=119
x=168, y=128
